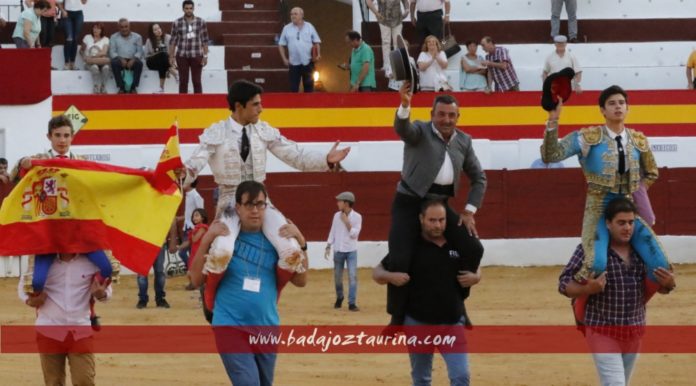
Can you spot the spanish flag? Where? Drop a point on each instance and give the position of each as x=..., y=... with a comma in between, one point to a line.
x=169, y=161
x=73, y=206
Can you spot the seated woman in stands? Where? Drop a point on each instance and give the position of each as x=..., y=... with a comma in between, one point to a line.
x=432, y=63
x=473, y=76
x=157, y=55
x=95, y=53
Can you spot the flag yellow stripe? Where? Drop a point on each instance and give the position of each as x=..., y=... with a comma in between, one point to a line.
x=110, y=205
x=379, y=117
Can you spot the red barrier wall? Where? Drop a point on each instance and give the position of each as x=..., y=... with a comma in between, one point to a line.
x=518, y=204
x=26, y=76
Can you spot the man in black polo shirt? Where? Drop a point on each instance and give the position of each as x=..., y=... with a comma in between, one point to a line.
x=435, y=286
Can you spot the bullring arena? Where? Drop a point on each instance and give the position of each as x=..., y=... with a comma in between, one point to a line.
x=530, y=220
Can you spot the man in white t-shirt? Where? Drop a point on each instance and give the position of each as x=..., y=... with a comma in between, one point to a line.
x=560, y=59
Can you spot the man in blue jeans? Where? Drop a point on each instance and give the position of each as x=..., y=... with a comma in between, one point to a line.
x=435, y=297
x=343, y=235
x=160, y=275
x=614, y=315
x=246, y=301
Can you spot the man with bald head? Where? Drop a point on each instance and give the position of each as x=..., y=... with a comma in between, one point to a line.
x=301, y=41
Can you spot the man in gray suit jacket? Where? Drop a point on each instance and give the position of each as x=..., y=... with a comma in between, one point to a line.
x=435, y=155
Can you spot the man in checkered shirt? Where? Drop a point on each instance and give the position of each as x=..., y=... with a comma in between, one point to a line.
x=188, y=49
x=500, y=68
x=615, y=311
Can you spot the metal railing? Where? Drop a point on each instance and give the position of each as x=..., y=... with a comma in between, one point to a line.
x=11, y=11
x=284, y=13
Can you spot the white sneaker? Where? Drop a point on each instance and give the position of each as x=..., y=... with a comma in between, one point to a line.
x=160, y=91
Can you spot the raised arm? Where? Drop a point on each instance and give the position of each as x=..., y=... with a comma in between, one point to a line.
x=408, y=132
x=553, y=150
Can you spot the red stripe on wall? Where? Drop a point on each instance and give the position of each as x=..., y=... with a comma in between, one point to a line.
x=320, y=100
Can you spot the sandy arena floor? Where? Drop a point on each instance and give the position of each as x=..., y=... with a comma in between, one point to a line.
x=506, y=296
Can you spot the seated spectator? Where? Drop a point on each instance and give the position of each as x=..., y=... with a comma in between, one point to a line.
x=473, y=76
x=157, y=53
x=690, y=69
x=28, y=27
x=362, y=64
x=432, y=63
x=500, y=68
x=95, y=53
x=126, y=52
x=560, y=59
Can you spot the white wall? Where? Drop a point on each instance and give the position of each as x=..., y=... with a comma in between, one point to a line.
x=25, y=129
x=498, y=252
x=146, y=10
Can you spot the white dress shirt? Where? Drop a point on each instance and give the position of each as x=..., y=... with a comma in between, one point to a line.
x=68, y=289
x=445, y=176
x=624, y=142
x=340, y=237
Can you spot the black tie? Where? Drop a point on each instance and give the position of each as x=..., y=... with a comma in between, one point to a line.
x=622, y=157
x=245, y=145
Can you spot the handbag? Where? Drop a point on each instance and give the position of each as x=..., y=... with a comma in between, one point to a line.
x=127, y=76
x=449, y=43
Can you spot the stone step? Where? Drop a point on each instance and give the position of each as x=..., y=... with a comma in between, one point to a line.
x=251, y=15
x=253, y=57
x=248, y=39
x=266, y=5
x=272, y=80
x=252, y=27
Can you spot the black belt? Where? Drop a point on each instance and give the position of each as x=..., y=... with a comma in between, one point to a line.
x=437, y=10
x=443, y=190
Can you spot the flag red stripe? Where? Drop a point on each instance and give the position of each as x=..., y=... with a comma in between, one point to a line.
x=135, y=254
x=170, y=164
x=91, y=166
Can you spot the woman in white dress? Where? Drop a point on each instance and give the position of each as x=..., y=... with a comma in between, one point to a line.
x=95, y=52
x=432, y=63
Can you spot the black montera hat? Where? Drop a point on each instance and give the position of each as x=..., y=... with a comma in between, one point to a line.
x=557, y=85
x=401, y=64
